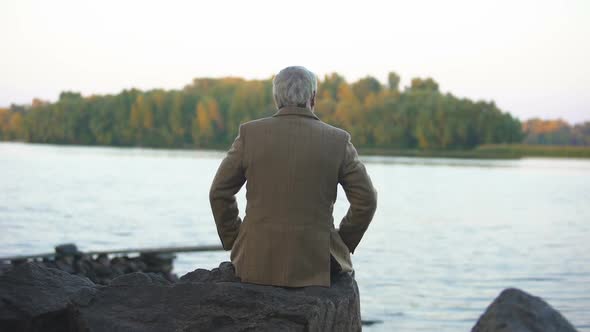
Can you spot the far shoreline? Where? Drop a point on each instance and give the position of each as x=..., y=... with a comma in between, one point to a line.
x=495, y=151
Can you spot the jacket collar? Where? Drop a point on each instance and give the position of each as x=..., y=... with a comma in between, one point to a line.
x=294, y=110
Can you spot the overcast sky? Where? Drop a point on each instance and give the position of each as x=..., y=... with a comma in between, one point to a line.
x=531, y=57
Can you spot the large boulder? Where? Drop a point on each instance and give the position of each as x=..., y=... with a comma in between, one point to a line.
x=516, y=311
x=37, y=298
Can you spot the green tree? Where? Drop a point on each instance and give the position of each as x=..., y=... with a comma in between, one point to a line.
x=207, y=113
x=393, y=81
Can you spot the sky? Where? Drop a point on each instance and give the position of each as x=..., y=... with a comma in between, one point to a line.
x=530, y=57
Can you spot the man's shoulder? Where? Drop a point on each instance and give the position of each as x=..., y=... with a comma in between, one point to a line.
x=337, y=131
x=253, y=125
x=256, y=123
x=269, y=121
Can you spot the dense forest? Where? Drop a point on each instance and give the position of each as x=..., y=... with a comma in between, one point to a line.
x=207, y=113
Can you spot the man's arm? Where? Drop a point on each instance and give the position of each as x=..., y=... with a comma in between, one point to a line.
x=360, y=193
x=229, y=179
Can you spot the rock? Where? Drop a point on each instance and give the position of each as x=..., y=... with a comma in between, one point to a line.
x=214, y=300
x=37, y=298
x=516, y=311
x=225, y=272
x=138, y=278
x=65, y=265
x=67, y=249
x=4, y=267
x=103, y=259
x=103, y=270
x=158, y=262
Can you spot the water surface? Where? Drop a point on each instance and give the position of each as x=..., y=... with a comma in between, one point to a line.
x=447, y=237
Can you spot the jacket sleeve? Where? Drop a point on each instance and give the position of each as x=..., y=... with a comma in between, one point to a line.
x=227, y=182
x=360, y=194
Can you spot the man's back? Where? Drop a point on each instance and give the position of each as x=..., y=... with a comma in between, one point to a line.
x=292, y=163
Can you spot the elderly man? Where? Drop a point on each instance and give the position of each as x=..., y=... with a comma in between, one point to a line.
x=292, y=164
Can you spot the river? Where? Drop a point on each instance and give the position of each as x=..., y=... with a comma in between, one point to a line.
x=447, y=237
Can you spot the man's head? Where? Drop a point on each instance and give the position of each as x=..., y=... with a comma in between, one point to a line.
x=295, y=86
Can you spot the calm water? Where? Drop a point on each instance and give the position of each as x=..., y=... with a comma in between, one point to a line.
x=448, y=235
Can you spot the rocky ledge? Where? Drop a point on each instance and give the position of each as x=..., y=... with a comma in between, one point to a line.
x=34, y=297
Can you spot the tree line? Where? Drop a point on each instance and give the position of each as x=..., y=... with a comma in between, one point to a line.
x=556, y=132
x=208, y=112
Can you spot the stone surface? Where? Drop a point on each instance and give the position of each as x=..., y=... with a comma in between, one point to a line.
x=138, y=278
x=225, y=272
x=516, y=311
x=36, y=298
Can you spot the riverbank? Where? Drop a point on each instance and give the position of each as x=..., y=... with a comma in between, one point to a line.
x=490, y=151
x=495, y=151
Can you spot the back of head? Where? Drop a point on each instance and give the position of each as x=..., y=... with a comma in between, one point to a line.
x=294, y=86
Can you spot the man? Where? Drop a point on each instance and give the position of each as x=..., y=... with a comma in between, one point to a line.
x=291, y=163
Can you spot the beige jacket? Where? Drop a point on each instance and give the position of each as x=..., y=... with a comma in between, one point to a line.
x=291, y=163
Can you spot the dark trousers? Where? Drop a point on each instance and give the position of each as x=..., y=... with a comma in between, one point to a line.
x=335, y=268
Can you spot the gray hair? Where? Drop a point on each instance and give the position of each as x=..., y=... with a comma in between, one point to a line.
x=294, y=86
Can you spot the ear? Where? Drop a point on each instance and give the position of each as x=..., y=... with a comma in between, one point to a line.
x=312, y=100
